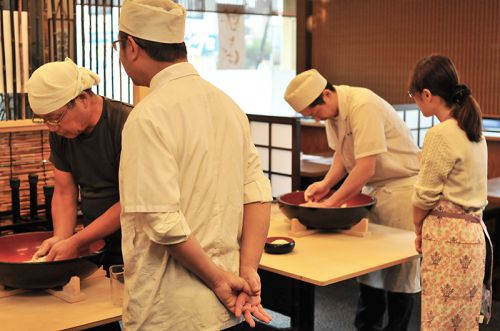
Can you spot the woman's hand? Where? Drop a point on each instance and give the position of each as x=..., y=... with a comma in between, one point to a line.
x=419, y=216
x=418, y=243
x=316, y=191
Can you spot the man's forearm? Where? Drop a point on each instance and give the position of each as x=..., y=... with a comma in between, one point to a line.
x=101, y=227
x=336, y=172
x=63, y=214
x=358, y=177
x=192, y=256
x=256, y=218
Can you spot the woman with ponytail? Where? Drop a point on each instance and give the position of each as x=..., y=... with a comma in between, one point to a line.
x=449, y=197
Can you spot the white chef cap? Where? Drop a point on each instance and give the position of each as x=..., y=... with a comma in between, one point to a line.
x=56, y=83
x=304, y=89
x=162, y=21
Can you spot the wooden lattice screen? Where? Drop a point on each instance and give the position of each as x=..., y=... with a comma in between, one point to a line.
x=21, y=154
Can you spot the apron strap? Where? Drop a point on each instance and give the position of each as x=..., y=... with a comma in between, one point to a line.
x=488, y=276
x=467, y=217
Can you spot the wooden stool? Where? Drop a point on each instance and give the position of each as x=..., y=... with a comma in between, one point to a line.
x=298, y=229
x=70, y=292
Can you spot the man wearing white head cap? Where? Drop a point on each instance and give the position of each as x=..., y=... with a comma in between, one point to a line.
x=194, y=198
x=376, y=149
x=85, y=141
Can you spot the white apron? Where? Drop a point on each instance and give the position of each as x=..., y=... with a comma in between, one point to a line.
x=394, y=208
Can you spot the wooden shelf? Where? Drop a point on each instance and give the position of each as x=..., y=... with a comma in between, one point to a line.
x=21, y=126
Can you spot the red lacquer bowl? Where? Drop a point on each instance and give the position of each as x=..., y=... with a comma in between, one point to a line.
x=16, y=271
x=326, y=218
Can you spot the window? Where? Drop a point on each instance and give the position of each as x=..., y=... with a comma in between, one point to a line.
x=266, y=63
x=96, y=28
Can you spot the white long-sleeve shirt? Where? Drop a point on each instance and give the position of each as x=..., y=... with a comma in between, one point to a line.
x=188, y=166
x=452, y=168
x=368, y=125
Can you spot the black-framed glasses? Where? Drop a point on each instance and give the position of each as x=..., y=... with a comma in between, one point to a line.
x=48, y=121
x=116, y=44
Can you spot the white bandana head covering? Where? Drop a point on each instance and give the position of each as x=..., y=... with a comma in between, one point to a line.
x=162, y=21
x=56, y=83
x=304, y=89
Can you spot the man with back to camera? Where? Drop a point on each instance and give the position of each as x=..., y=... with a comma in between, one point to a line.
x=195, y=211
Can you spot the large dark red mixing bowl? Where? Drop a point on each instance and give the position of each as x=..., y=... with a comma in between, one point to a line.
x=15, y=270
x=326, y=218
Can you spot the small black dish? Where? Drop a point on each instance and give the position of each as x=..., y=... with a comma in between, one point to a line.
x=272, y=248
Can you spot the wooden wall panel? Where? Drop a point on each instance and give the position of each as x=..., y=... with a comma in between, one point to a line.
x=375, y=44
x=493, y=158
x=313, y=140
x=27, y=158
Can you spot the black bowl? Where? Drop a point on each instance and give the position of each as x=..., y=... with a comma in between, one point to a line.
x=272, y=248
x=326, y=218
x=16, y=271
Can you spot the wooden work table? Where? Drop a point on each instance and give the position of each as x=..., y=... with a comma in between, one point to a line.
x=322, y=259
x=39, y=310
x=325, y=258
x=317, y=260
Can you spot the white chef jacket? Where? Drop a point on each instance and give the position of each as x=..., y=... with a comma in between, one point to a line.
x=188, y=166
x=368, y=125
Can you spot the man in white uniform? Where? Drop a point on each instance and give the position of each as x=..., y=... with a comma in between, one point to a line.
x=376, y=149
x=194, y=198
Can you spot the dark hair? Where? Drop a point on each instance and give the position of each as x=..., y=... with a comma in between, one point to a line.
x=157, y=51
x=71, y=103
x=319, y=100
x=438, y=74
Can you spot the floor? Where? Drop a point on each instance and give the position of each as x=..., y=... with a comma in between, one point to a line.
x=336, y=304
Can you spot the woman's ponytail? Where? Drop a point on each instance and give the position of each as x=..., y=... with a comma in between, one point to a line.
x=467, y=112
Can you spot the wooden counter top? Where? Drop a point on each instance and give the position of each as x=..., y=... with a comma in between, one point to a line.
x=39, y=310
x=326, y=258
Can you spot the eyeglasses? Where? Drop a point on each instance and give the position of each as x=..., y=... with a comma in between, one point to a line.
x=116, y=44
x=48, y=121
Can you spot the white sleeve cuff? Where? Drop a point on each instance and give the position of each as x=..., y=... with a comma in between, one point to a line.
x=258, y=190
x=166, y=228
